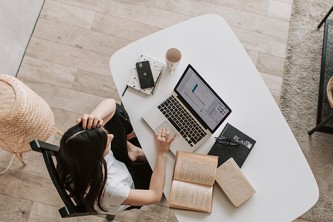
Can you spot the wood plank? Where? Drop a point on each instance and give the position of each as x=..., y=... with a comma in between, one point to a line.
x=253, y=55
x=34, y=163
x=122, y=28
x=66, y=99
x=67, y=14
x=46, y=72
x=262, y=43
x=244, y=20
x=68, y=56
x=14, y=209
x=100, y=5
x=255, y=6
x=44, y=212
x=273, y=83
x=78, y=37
x=29, y=187
x=289, y=2
x=270, y=64
x=96, y=84
x=155, y=212
x=279, y=10
x=132, y=10
x=65, y=119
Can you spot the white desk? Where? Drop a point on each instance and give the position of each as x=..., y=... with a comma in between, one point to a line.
x=276, y=167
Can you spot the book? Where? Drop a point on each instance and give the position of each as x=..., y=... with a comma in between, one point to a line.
x=156, y=67
x=234, y=183
x=193, y=179
x=225, y=151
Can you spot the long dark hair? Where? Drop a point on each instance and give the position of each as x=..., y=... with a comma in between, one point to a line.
x=81, y=165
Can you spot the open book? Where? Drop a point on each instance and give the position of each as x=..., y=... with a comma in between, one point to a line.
x=193, y=179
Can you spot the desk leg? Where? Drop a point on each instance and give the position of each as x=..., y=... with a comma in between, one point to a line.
x=324, y=19
x=321, y=124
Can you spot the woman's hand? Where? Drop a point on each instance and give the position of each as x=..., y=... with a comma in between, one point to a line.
x=102, y=113
x=163, y=140
x=156, y=186
x=90, y=121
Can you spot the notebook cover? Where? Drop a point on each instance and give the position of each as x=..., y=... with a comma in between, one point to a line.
x=156, y=68
x=238, y=153
x=234, y=183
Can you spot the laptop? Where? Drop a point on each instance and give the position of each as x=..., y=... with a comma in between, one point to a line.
x=194, y=111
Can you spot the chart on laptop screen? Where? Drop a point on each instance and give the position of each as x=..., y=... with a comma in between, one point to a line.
x=202, y=99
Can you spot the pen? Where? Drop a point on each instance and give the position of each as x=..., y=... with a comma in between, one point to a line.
x=157, y=80
x=124, y=91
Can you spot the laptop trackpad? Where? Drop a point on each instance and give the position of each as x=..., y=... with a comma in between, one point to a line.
x=166, y=124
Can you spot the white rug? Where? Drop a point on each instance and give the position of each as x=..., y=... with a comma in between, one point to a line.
x=300, y=96
x=17, y=21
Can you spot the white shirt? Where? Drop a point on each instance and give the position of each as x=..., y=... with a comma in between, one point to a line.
x=117, y=187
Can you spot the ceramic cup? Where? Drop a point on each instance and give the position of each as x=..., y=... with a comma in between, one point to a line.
x=173, y=57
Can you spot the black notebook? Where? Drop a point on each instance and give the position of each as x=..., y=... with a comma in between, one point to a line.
x=238, y=152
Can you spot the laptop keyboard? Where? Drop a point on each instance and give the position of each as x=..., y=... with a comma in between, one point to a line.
x=182, y=121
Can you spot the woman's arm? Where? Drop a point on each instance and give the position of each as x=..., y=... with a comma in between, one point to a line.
x=102, y=113
x=154, y=194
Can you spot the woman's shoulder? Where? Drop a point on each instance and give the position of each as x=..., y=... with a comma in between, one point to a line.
x=109, y=157
x=118, y=183
x=117, y=172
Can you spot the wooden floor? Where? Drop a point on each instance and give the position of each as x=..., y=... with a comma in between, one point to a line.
x=67, y=63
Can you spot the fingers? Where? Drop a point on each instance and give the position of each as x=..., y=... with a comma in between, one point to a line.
x=78, y=120
x=84, y=120
x=161, y=135
x=92, y=122
x=172, y=138
x=89, y=121
x=164, y=135
x=158, y=135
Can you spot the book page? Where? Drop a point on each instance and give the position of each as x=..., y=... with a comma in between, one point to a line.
x=195, y=168
x=191, y=196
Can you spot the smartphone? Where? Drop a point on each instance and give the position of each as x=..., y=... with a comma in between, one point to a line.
x=145, y=75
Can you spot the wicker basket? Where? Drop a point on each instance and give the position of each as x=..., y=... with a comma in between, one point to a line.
x=24, y=116
x=329, y=91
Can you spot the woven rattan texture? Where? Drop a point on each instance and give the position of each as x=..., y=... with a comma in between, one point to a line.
x=7, y=95
x=25, y=116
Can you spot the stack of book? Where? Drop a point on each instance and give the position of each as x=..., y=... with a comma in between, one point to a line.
x=195, y=174
x=156, y=67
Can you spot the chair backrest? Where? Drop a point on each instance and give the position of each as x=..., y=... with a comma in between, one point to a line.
x=71, y=209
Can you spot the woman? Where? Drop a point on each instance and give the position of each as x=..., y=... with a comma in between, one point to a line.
x=101, y=167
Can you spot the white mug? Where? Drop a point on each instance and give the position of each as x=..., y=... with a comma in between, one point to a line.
x=173, y=57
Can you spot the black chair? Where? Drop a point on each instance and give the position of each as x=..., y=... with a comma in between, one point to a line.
x=71, y=208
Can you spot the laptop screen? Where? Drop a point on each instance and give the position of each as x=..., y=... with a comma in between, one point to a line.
x=201, y=99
